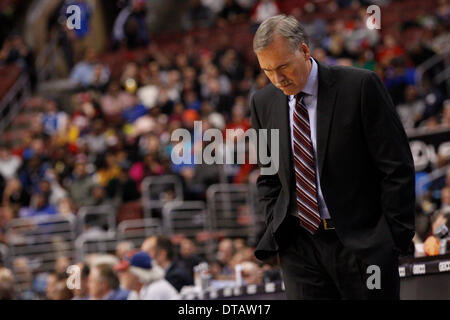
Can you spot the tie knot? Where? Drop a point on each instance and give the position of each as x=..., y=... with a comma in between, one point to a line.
x=300, y=96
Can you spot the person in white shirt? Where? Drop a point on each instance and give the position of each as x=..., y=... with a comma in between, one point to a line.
x=145, y=279
x=9, y=164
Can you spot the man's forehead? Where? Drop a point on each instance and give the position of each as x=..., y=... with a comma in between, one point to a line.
x=277, y=53
x=272, y=60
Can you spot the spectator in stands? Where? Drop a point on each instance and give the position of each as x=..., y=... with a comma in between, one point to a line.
x=96, y=139
x=445, y=122
x=431, y=123
x=135, y=27
x=221, y=102
x=53, y=291
x=9, y=163
x=61, y=264
x=215, y=268
x=359, y=36
x=225, y=254
x=389, y=50
x=66, y=208
x=15, y=50
x=90, y=72
x=15, y=196
x=434, y=98
x=188, y=255
x=230, y=64
x=24, y=277
x=242, y=255
x=162, y=251
x=264, y=9
x=445, y=199
x=7, y=290
x=62, y=292
x=39, y=206
x=232, y=12
x=365, y=59
x=34, y=169
x=398, y=76
x=123, y=248
x=6, y=215
x=440, y=39
x=240, y=122
x=411, y=112
x=100, y=197
x=251, y=273
x=52, y=190
x=82, y=183
x=150, y=166
x=130, y=26
x=198, y=15
x=214, y=5
x=116, y=101
x=53, y=120
x=108, y=169
x=144, y=279
x=103, y=284
x=86, y=111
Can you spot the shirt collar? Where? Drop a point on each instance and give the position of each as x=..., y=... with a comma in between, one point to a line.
x=311, y=86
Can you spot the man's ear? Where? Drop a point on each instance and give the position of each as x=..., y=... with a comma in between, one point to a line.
x=305, y=50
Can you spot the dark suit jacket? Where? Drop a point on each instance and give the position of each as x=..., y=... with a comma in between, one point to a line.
x=365, y=165
x=178, y=276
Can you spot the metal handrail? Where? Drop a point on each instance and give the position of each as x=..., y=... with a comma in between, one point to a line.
x=14, y=100
x=414, y=132
x=4, y=252
x=137, y=230
x=222, y=210
x=103, y=242
x=189, y=219
x=430, y=63
x=107, y=211
x=170, y=207
x=168, y=180
x=432, y=176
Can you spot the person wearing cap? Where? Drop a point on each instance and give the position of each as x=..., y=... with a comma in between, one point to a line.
x=144, y=278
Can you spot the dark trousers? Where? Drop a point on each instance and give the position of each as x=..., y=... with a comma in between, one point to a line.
x=318, y=266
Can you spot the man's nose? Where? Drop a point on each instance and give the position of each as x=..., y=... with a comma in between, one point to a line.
x=279, y=77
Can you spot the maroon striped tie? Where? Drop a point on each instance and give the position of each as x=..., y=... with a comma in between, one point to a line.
x=305, y=174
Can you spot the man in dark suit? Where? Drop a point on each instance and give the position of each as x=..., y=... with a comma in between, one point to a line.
x=162, y=250
x=340, y=209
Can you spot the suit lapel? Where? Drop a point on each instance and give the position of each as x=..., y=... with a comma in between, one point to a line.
x=280, y=113
x=325, y=107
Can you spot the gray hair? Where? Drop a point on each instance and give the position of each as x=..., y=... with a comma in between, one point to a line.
x=286, y=26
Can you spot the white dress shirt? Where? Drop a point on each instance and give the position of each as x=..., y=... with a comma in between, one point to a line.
x=310, y=102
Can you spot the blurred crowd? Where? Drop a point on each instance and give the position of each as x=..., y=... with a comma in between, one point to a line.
x=157, y=270
x=96, y=144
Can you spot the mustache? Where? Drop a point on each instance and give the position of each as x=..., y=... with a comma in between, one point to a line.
x=283, y=84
